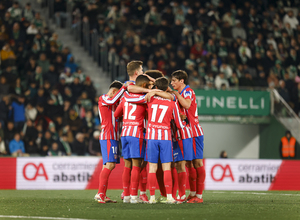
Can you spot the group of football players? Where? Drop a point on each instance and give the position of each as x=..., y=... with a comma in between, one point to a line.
x=159, y=126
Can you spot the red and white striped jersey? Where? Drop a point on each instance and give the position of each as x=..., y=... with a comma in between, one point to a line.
x=192, y=112
x=133, y=118
x=160, y=113
x=186, y=132
x=107, y=107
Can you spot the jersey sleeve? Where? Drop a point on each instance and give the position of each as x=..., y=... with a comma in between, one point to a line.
x=119, y=111
x=176, y=116
x=134, y=98
x=111, y=101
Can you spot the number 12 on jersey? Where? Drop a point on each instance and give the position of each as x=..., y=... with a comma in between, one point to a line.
x=162, y=114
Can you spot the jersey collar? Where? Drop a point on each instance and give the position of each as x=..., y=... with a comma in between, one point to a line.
x=184, y=89
x=129, y=81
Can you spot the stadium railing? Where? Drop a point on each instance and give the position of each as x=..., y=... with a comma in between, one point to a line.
x=109, y=61
x=285, y=114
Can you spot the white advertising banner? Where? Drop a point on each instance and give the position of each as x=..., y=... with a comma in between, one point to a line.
x=55, y=172
x=226, y=174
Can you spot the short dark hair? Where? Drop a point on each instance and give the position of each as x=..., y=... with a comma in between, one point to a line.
x=180, y=74
x=162, y=83
x=133, y=66
x=116, y=84
x=154, y=73
x=141, y=79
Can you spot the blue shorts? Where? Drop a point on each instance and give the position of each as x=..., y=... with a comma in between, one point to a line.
x=132, y=147
x=182, y=150
x=110, y=151
x=198, y=146
x=159, y=149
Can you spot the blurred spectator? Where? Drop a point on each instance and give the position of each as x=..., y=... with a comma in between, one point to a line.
x=18, y=112
x=60, y=8
x=221, y=80
x=65, y=144
x=79, y=147
x=94, y=144
x=54, y=150
x=3, y=147
x=223, y=154
x=290, y=19
x=16, y=146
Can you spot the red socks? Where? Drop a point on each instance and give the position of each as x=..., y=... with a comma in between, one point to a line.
x=168, y=181
x=103, y=180
x=143, y=180
x=160, y=181
x=152, y=183
x=135, y=176
x=181, y=183
x=175, y=182
x=200, y=180
x=192, y=178
x=126, y=181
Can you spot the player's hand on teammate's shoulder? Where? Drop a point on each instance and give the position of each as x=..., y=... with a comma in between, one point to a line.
x=149, y=95
x=155, y=90
x=151, y=79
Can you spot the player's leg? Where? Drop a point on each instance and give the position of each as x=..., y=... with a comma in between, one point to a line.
x=198, y=164
x=174, y=180
x=166, y=157
x=127, y=169
x=179, y=155
x=137, y=153
x=192, y=175
x=160, y=179
x=143, y=181
x=143, y=176
x=110, y=156
x=152, y=156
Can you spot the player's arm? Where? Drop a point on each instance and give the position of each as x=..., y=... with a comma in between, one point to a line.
x=137, y=89
x=119, y=111
x=137, y=99
x=115, y=98
x=184, y=102
x=179, y=123
x=162, y=94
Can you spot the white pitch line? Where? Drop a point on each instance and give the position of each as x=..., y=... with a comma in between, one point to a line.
x=253, y=193
x=40, y=217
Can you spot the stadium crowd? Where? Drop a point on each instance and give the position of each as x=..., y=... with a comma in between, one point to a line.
x=221, y=44
x=47, y=104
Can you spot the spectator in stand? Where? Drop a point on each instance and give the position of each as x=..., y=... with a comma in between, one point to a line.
x=223, y=154
x=54, y=150
x=18, y=112
x=79, y=146
x=221, y=80
x=16, y=146
x=65, y=144
x=290, y=19
x=60, y=8
x=239, y=31
x=3, y=147
x=4, y=110
x=94, y=145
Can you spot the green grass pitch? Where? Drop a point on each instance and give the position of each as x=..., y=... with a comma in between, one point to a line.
x=217, y=205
